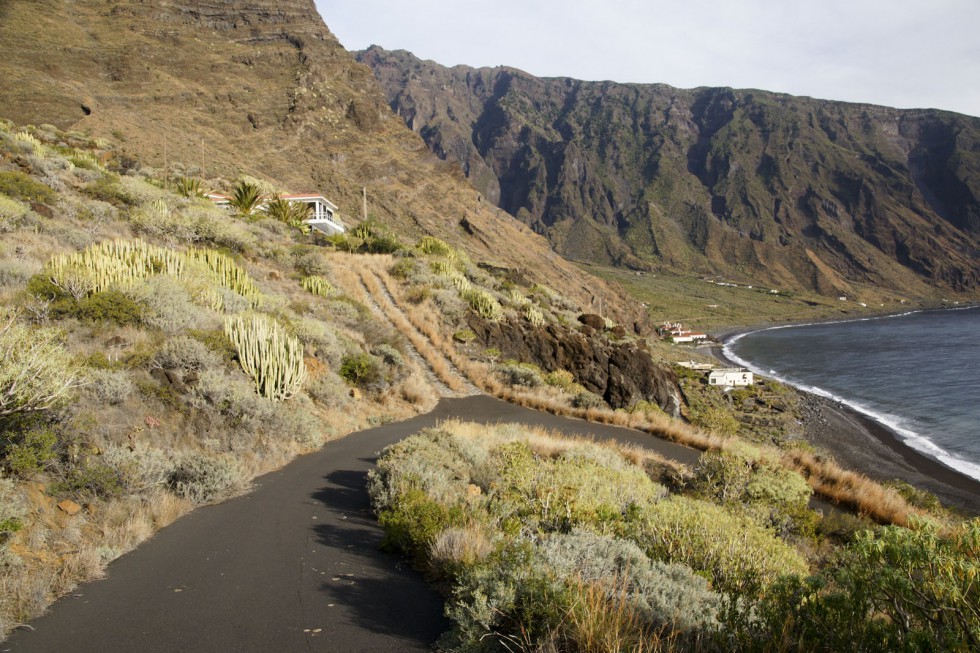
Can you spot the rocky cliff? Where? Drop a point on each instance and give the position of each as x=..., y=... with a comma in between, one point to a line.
x=793, y=192
x=622, y=373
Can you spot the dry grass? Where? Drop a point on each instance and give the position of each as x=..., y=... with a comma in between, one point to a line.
x=603, y=619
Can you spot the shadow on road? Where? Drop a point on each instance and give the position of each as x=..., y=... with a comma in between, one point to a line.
x=383, y=594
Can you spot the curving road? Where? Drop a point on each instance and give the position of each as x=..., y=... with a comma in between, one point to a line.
x=293, y=565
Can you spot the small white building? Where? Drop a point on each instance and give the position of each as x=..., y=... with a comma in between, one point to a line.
x=323, y=214
x=731, y=377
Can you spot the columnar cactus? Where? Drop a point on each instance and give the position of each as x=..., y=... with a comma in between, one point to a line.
x=317, y=285
x=485, y=305
x=268, y=354
x=533, y=315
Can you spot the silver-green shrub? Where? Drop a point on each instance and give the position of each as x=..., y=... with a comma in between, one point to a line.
x=186, y=354
x=206, y=478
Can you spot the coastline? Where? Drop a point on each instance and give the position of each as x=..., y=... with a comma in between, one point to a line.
x=865, y=445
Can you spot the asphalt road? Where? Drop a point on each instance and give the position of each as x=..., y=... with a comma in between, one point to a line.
x=294, y=565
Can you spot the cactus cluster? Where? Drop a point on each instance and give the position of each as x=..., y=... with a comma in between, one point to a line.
x=533, y=315
x=228, y=273
x=317, y=285
x=120, y=264
x=39, y=149
x=432, y=246
x=517, y=298
x=268, y=354
x=485, y=305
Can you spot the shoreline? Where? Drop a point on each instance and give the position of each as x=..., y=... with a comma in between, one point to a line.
x=863, y=444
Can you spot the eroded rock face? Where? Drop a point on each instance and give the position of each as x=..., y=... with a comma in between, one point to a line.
x=621, y=373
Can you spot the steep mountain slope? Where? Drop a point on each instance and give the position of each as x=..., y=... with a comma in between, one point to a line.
x=251, y=87
x=796, y=192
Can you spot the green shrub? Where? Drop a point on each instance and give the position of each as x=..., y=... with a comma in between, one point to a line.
x=108, y=189
x=139, y=468
x=89, y=479
x=775, y=496
x=186, y=354
x=13, y=510
x=388, y=355
x=413, y=522
x=561, y=379
x=21, y=186
x=464, y=336
x=740, y=556
x=417, y=294
x=404, y=268
x=11, y=213
x=30, y=453
x=360, y=369
x=109, y=306
x=720, y=421
x=898, y=589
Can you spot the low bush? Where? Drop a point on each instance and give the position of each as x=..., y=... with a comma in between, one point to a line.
x=109, y=306
x=37, y=373
x=586, y=400
x=187, y=354
x=519, y=374
x=739, y=555
x=111, y=387
x=28, y=452
x=361, y=369
x=206, y=479
x=21, y=186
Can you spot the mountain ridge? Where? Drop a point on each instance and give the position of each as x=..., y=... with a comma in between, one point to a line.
x=795, y=192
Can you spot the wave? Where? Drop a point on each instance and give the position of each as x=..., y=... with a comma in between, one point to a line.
x=896, y=425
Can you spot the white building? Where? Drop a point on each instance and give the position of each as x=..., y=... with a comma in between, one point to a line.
x=730, y=377
x=323, y=214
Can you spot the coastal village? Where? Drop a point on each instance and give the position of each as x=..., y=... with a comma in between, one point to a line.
x=721, y=377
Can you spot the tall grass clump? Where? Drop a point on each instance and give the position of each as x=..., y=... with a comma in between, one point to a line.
x=268, y=354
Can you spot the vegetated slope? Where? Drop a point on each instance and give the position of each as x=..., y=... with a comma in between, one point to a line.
x=790, y=191
x=257, y=88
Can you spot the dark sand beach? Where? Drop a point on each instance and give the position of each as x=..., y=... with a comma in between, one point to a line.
x=864, y=445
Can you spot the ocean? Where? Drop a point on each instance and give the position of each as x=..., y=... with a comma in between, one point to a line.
x=917, y=373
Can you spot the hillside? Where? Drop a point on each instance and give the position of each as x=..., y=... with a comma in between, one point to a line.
x=793, y=192
x=222, y=89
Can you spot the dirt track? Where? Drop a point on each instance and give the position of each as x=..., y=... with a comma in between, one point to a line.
x=294, y=565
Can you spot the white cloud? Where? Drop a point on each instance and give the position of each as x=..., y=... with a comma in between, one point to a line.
x=904, y=53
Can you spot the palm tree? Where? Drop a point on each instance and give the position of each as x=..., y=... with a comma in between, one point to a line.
x=292, y=213
x=246, y=198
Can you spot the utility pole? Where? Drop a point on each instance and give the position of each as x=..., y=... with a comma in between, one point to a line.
x=364, y=197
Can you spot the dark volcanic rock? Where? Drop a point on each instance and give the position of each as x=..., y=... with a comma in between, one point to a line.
x=593, y=320
x=621, y=373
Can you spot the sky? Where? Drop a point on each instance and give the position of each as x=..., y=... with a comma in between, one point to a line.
x=897, y=53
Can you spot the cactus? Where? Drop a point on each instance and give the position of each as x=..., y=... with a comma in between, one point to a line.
x=272, y=358
x=485, y=305
x=517, y=298
x=122, y=263
x=317, y=285
x=37, y=146
x=533, y=315
x=228, y=273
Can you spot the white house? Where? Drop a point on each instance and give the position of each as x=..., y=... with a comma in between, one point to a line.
x=730, y=377
x=323, y=215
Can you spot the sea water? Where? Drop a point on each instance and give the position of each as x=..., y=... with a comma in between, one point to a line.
x=917, y=373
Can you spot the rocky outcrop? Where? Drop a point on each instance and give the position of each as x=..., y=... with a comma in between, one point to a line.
x=621, y=373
